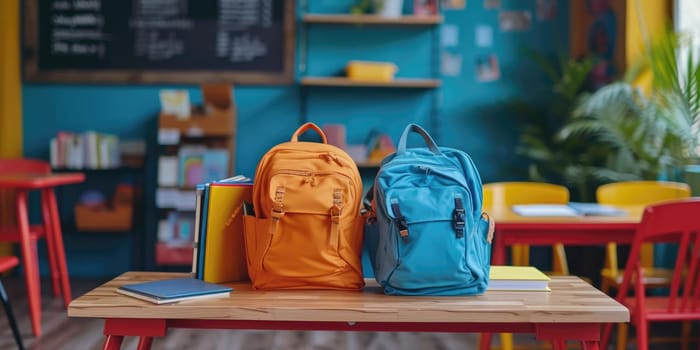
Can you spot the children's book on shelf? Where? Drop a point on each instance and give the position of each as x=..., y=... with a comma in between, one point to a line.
x=191, y=165
x=173, y=290
x=86, y=150
x=199, y=164
x=219, y=254
x=517, y=278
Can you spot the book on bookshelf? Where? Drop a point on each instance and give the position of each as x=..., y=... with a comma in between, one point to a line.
x=174, y=290
x=517, y=278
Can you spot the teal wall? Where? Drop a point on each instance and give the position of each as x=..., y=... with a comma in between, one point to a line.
x=471, y=117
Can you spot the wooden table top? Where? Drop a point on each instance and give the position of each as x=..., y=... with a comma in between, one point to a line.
x=505, y=216
x=36, y=181
x=571, y=300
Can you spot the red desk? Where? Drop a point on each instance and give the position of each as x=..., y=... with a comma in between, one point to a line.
x=573, y=310
x=23, y=184
x=512, y=228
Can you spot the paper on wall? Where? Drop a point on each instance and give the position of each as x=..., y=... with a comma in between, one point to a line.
x=449, y=35
x=484, y=36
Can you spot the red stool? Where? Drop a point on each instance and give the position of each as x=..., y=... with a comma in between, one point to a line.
x=23, y=176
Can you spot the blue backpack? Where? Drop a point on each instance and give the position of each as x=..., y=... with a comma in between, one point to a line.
x=425, y=232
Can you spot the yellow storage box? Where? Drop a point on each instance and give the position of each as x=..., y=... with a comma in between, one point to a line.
x=371, y=71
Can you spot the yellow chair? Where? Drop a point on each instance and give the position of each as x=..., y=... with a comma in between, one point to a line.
x=638, y=193
x=506, y=194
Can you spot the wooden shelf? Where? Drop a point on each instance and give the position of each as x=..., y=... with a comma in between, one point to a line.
x=217, y=124
x=371, y=19
x=396, y=83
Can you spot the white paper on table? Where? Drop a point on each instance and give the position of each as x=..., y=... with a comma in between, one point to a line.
x=544, y=210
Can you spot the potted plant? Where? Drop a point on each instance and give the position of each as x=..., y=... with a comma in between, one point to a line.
x=646, y=136
x=550, y=158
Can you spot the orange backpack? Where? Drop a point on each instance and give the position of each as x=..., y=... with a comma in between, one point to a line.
x=306, y=230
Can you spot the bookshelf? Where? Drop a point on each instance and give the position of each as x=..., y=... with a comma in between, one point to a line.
x=191, y=150
x=110, y=235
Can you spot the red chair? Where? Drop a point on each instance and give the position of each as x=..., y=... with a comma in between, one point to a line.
x=28, y=245
x=675, y=222
x=6, y=263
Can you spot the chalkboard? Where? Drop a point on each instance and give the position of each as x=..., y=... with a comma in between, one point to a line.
x=160, y=41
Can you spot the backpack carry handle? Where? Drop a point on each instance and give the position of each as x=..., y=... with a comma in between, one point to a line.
x=428, y=140
x=306, y=126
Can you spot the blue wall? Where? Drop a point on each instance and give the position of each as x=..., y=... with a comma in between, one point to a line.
x=471, y=117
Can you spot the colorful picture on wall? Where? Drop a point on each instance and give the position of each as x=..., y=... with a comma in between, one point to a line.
x=425, y=7
x=597, y=31
x=450, y=64
x=492, y=4
x=546, y=9
x=487, y=68
x=454, y=4
x=514, y=21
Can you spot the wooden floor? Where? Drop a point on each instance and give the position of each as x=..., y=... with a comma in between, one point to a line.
x=61, y=332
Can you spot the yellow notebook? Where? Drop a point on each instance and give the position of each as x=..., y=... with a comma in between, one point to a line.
x=517, y=278
x=224, y=259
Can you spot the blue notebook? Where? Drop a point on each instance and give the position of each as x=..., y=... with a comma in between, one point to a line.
x=172, y=290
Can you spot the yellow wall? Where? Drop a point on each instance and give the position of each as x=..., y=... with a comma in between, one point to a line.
x=10, y=81
x=646, y=20
x=10, y=97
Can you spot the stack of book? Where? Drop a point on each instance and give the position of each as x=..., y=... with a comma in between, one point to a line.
x=517, y=278
x=174, y=290
x=219, y=248
x=87, y=150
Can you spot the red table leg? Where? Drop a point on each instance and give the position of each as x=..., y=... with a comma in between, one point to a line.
x=589, y=345
x=145, y=343
x=30, y=262
x=47, y=219
x=485, y=341
x=113, y=342
x=559, y=344
x=59, y=250
x=498, y=254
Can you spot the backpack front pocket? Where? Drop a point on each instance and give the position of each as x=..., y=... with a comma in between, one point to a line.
x=305, y=233
x=431, y=250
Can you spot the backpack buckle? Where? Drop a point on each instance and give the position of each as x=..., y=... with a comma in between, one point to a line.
x=336, y=211
x=458, y=222
x=277, y=212
x=403, y=228
x=277, y=204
